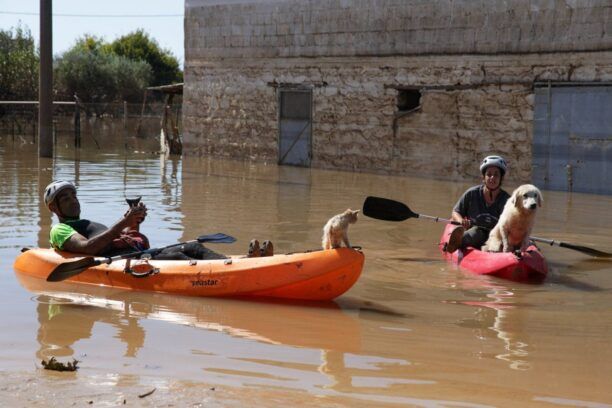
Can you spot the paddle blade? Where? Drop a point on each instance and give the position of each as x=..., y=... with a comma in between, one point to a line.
x=68, y=269
x=586, y=250
x=386, y=209
x=218, y=238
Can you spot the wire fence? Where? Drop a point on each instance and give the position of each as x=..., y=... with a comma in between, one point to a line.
x=113, y=110
x=21, y=117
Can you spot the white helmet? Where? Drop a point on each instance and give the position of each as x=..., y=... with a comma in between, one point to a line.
x=496, y=161
x=54, y=188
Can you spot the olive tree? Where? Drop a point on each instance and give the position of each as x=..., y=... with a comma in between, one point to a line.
x=138, y=46
x=90, y=70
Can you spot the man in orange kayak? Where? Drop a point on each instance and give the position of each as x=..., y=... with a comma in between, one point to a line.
x=483, y=203
x=77, y=235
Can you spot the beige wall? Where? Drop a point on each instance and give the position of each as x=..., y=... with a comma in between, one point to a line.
x=300, y=28
x=477, y=95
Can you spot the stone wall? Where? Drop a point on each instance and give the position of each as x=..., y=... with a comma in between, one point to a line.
x=477, y=96
x=300, y=28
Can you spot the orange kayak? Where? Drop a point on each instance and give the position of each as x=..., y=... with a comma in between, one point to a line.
x=317, y=275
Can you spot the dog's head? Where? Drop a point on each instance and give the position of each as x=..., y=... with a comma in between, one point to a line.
x=527, y=197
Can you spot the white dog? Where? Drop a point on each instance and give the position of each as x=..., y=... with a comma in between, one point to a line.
x=516, y=221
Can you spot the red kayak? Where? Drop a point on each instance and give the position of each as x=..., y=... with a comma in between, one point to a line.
x=530, y=265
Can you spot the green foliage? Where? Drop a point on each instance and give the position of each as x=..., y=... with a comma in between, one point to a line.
x=138, y=46
x=95, y=70
x=92, y=44
x=95, y=74
x=18, y=65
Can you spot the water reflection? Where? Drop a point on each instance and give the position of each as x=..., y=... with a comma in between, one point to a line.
x=310, y=324
x=45, y=176
x=57, y=317
x=170, y=183
x=67, y=314
x=498, y=316
x=293, y=198
x=313, y=347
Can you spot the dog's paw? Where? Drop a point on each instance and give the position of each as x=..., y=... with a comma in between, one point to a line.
x=490, y=249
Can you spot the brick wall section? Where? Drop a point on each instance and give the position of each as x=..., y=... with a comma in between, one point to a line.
x=230, y=109
x=307, y=28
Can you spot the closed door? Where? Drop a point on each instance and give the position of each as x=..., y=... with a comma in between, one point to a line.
x=572, y=138
x=295, y=124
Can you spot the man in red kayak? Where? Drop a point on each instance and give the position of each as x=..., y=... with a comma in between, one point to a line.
x=77, y=235
x=481, y=204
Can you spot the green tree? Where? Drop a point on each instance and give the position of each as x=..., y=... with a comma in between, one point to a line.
x=18, y=65
x=138, y=46
x=95, y=74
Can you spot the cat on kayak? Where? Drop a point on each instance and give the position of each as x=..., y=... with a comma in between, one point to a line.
x=516, y=221
x=335, y=232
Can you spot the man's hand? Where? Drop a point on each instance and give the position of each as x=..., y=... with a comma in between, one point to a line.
x=135, y=215
x=464, y=221
x=99, y=243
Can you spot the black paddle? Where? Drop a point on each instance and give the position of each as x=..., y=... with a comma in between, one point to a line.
x=68, y=269
x=391, y=210
x=585, y=250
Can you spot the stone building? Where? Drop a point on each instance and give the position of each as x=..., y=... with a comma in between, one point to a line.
x=414, y=87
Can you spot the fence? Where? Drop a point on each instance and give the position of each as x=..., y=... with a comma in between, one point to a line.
x=20, y=118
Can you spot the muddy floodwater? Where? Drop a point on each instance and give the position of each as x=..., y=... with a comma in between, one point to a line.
x=413, y=331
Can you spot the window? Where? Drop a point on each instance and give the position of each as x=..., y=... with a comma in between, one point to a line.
x=408, y=99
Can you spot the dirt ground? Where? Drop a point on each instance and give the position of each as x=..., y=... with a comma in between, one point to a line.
x=41, y=388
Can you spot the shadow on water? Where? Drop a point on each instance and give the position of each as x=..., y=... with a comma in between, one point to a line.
x=576, y=284
x=366, y=306
x=560, y=274
x=418, y=260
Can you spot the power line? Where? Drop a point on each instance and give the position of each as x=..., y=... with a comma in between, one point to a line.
x=20, y=13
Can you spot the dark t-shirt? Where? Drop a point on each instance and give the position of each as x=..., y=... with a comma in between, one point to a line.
x=472, y=203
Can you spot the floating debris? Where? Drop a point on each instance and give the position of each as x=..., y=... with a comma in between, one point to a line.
x=146, y=394
x=55, y=365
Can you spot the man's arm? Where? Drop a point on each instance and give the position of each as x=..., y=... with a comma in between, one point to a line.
x=461, y=208
x=458, y=218
x=95, y=245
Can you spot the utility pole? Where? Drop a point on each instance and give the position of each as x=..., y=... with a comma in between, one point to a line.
x=45, y=82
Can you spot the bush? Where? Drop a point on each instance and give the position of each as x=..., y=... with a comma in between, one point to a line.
x=18, y=65
x=98, y=72
x=97, y=75
x=139, y=47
